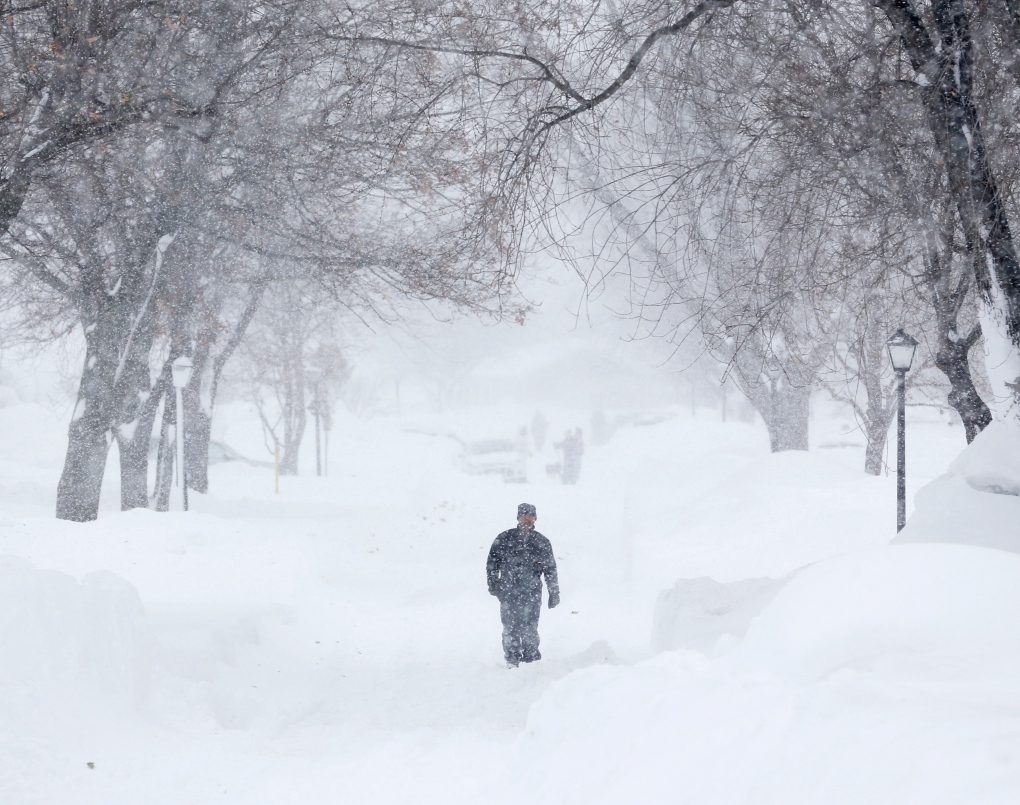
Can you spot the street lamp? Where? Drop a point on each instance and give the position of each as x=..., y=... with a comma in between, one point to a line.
x=182, y=367
x=901, y=353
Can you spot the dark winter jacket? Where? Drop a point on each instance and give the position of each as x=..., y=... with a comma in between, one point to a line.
x=517, y=561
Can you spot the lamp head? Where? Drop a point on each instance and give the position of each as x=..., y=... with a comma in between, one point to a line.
x=901, y=350
x=182, y=367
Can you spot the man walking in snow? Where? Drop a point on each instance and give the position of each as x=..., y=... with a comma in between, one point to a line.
x=518, y=559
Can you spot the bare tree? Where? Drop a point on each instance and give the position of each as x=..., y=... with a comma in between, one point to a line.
x=252, y=134
x=275, y=358
x=80, y=74
x=577, y=74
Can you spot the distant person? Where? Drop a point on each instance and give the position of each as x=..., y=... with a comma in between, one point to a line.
x=517, y=561
x=539, y=428
x=565, y=446
x=573, y=448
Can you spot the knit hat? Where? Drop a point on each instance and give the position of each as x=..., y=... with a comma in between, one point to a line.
x=526, y=508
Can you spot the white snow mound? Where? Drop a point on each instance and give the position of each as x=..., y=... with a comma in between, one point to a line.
x=977, y=502
x=903, y=601
x=696, y=613
x=57, y=634
x=881, y=676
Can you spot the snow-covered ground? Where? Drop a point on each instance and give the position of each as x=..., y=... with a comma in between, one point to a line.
x=335, y=642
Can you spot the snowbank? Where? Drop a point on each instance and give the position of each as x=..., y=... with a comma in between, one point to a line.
x=695, y=613
x=882, y=676
x=977, y=502
x=59, y=635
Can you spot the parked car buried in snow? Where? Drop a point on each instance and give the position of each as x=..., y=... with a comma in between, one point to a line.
x=220, y=452
x=495, y=457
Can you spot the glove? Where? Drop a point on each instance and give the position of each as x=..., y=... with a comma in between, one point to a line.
x=554, y=600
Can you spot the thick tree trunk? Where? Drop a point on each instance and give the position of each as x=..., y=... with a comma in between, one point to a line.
x=945, y=62
x=205, y=380
x=294, y=403
x=869, y=356
x=103, y=400
x=84, y=464
x=954, y=120
x=166, y=455
x=197, y=430
x=873, y=461
x=119, y=328
x=88, y=436
x=783, y=403
x=952, y=359
x=293, y=430
x=784, y=411
x=135, y=434
x=134, y=472
x=13, y=191
x=788, y=419
x=877, y=418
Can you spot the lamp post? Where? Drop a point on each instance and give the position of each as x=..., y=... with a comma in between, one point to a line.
x=901, y=353
x=182, y=367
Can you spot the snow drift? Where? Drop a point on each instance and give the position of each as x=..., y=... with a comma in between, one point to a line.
x=977, y=502
x=881, y=676
x=57, y=634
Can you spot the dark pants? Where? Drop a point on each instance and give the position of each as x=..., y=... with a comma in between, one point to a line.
x=519, y=613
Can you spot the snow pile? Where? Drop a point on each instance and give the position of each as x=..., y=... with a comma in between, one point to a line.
x=883, y=676
x=977, y=502
x=992, y=463
x=695, y=613
x=768, y=516
x=59, y=635
x=74, y=666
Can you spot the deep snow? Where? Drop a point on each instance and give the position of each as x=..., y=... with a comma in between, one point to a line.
x=336, y=642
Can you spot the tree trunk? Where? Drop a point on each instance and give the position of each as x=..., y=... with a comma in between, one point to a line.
x=873, y=454
x=13, y=191
x=119, y=328
x=952, y=360
x=198, y=418
x=197, y=430
x=85, y=462
x=294, y=402
x=135, y=435
x=88, y=441
x=166, y=455
x=788, y=425
x=293, y=423
x=947, y=69
x=206, y=376
x=134, y=471
x=878, y=416
x=783, y=406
